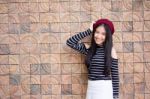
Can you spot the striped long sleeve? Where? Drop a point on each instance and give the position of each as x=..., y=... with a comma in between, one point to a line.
x=73, y=41
x=115, y=77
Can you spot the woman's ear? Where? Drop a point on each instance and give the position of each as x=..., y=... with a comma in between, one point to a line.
x=114, y=53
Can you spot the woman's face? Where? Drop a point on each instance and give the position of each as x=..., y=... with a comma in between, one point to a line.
x=100, y=35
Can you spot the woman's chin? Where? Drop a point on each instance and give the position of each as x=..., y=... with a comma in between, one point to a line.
x=99, y=42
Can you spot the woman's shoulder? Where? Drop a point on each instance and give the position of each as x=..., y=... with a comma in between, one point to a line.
x=114, y=53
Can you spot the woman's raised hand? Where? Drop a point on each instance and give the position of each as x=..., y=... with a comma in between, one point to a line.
x=91, y=25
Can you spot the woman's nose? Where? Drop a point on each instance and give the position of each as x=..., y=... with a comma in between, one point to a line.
x=98, y=36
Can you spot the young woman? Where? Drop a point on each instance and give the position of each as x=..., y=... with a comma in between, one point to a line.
x=101, y=60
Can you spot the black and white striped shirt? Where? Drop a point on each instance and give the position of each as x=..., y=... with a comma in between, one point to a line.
x=95, y=72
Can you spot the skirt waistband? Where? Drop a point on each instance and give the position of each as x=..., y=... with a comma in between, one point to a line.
x=97, y=83
x=100, y=78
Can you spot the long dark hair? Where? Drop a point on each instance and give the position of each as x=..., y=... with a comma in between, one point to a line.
x=107, y=50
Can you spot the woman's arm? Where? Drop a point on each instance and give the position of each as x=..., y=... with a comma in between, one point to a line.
x=115, y=74
x=73, y=41
x=115, y=77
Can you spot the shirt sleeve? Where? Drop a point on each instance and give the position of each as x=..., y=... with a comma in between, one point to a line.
x=73, y=41
x=115, y=77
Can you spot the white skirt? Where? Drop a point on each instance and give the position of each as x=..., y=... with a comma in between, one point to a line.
x=99, y=89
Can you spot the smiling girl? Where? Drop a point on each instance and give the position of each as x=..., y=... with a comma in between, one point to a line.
x=101, y=60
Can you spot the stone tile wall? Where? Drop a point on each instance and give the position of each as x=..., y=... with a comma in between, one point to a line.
x=35, y=62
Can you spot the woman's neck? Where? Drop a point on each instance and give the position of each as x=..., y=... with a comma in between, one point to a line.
x=99, y=45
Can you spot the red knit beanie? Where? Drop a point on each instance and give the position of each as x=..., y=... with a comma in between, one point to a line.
x=105, y=21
